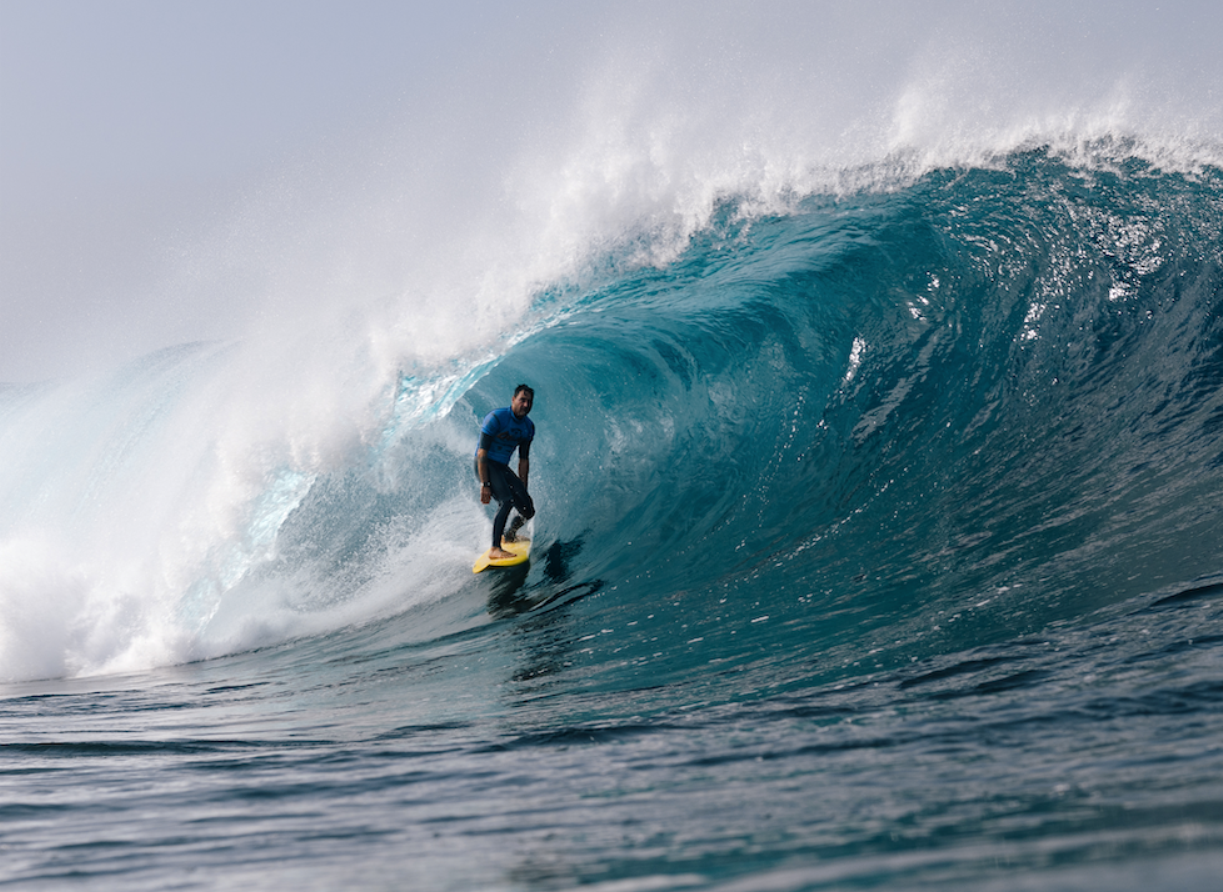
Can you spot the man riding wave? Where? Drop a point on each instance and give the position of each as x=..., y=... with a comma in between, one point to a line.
x=503, y=431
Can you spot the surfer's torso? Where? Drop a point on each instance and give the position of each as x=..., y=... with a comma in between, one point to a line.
x=502, y=432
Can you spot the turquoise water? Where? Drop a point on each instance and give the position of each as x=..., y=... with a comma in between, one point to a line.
x=878, y=547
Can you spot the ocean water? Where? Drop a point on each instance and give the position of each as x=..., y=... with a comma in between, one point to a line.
x=878, y=547
x=879, y=538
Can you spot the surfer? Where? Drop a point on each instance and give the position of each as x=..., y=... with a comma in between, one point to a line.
x=503, y=431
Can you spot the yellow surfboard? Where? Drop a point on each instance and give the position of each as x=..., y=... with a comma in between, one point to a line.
x=521, y=551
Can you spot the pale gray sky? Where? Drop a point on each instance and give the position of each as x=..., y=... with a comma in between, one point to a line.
x=125, y=124
x=130, y=130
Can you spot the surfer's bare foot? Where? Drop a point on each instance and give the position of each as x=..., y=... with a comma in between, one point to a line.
x=498, y=554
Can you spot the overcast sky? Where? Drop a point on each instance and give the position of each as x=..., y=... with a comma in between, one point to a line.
x=127, y=124
x=129, y=128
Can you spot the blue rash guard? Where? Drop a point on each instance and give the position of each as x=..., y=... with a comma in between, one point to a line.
x=502, y=433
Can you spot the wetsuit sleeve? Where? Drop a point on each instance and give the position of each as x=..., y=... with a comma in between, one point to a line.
x=488, y=430
x=524, y=450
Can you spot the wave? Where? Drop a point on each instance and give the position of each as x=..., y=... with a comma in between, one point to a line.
x=947, y=409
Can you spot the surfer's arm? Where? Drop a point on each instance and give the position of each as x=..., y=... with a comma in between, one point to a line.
x=524, y=461
x=486, y=492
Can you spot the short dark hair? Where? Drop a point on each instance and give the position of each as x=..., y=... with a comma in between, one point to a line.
x=521, y=388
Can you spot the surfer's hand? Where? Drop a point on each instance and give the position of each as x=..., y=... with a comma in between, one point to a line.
x=486, y=494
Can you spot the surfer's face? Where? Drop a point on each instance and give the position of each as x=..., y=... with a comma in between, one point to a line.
x=521, y=404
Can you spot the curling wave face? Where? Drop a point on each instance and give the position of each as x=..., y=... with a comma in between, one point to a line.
x=910, y=419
